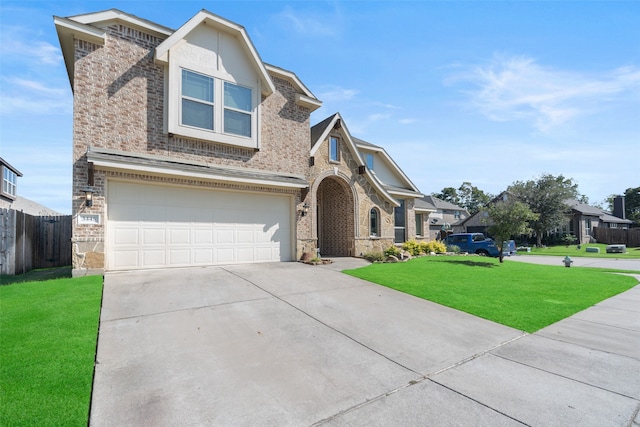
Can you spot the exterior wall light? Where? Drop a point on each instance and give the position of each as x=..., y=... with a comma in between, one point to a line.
x=305, y=209
x=88, y=196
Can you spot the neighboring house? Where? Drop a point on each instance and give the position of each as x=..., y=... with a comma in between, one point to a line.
x=9, y=198
x=580, y=221
x=443, y=216
x=584, y=218
x=189, y=150
x=480, y=221
x=9, y=190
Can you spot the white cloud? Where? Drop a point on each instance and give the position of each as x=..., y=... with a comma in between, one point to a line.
x=308, y=24
x=336, y=94
x=36, y=87
x=15, y=44
x=518, y=88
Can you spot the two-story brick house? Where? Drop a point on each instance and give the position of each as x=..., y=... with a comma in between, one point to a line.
x=189, y=150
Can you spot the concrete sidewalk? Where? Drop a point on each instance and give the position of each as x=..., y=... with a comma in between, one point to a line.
x=292, y=344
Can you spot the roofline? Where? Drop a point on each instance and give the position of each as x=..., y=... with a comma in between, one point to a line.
x=161, y=54
x=8, y=165
x=68, y=30
x=424, y=210
x=379, y=149
x=108, y=159
x=109, y=15
x=345, y=131
x=307, y=98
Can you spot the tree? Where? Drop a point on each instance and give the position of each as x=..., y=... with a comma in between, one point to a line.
x=632, y=204
x=472, y=198
x=510, y=218
x=546, y=197
x=448, y=194
x=467, y=196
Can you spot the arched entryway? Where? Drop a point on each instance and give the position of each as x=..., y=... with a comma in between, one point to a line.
x=335, y=217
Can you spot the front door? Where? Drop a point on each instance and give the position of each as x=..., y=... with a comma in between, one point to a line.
x=335, y=218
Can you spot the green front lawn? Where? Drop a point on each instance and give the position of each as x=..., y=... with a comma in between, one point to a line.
x=48, y=332
x=572, y=250
x=521, y=295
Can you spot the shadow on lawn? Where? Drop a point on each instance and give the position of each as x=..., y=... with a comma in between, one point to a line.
x=470, y=263
x=39, y=275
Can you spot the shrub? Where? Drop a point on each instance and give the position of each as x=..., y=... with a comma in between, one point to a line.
x=413, y=247
x=569, y=239
x=392, y=251
x=433, y=246
x=374, y=256
x=453, y=248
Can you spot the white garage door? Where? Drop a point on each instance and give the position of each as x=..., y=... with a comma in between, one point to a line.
x=153, y=226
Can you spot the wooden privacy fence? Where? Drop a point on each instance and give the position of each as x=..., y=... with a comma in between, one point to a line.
x=28, y=242
x=615, y=236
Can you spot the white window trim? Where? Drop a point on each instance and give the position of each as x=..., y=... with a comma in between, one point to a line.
x=9, y=182
x=173, y=108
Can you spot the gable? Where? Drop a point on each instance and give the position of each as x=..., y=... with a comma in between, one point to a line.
x=219, y=43
x=387, y=171
x=214, y=83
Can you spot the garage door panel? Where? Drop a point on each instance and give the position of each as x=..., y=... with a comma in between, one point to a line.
x=126, y=259
x=153, y=258
x=126, y=236
x=203, y=256
x=224, y=255
x=151, y=226
x=179, y=236
x=153, y=236
x=179, y=257
x=224, y=236
x=203, y=237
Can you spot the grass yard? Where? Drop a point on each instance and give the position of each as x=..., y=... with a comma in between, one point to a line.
x=524, y=296
x=47, y=350
x=572, y=250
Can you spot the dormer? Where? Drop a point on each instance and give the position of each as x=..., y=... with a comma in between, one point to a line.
x=214, y=81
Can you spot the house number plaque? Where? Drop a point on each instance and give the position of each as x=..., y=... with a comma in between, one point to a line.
x=89, y=219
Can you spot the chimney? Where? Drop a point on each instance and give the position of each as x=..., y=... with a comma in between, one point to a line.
x=618, y=207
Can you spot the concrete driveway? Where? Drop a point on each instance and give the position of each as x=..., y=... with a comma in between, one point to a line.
x=291, y=344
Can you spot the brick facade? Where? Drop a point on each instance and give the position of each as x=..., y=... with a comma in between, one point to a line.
x=120, y=104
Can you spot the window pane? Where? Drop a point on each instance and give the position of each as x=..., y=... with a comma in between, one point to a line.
x=333, y=149
x=399, y=214
x=374, y=222
x=369, y=160
x=197, y=86
x=419, y=224
x=197, y=114
x=237, y=97
x=237, y=123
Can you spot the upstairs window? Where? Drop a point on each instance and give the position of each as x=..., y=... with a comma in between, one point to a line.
x=369, y=159
x=215, y=109
x=456, y=214
x=237, y=110
x=334, y=149
x=197, y=100
x=9, y=181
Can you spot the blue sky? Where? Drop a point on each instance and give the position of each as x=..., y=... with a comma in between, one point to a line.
x=486, y=92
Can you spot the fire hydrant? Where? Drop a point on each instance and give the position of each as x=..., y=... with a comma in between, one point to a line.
x=567, y=261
